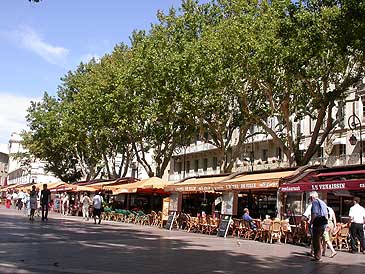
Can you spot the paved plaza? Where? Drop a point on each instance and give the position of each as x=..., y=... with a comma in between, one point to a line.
x=70, y=245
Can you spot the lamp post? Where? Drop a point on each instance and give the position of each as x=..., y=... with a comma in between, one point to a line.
x=354, y=121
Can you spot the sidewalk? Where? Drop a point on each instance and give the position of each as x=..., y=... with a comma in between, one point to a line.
x=76, y=246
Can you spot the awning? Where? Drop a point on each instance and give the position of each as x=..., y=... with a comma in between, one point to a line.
x=14, y=186
x=40, y=185
x=340, y=173
x=196, y=184
x=324, y=186
x=269, y=180
x=256, y=181
x=64, y=187
x=339, y=141
x=148, y=185
x=105, y=184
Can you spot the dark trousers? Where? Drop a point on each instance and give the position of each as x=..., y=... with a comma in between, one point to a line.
x=97, y=212
x=357, y=233
x=317, y=242
x=44, y=211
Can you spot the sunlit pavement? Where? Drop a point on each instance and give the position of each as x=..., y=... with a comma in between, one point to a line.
x=70, y=245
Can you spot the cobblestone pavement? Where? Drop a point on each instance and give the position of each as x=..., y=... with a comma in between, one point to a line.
x=70, y=245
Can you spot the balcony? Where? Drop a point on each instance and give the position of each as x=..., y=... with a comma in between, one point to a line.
x=192, y=148
x=337, y=160
x=179, y=176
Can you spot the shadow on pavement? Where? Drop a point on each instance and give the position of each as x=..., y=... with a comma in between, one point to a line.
x=66, y=246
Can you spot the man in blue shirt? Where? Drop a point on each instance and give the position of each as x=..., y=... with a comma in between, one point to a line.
x=246, y=217
x=319, y=215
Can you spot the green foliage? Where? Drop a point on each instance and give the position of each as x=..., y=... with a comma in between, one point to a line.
x=214, y=68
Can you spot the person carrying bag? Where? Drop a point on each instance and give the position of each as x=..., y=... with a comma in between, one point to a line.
x=319, y=215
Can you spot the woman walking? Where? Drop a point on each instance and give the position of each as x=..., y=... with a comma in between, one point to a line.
x=33, y=202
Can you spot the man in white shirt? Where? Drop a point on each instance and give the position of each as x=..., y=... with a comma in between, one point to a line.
x=86, y=202
x=14, y=198
x=65, y=204
x=357, y=218
x=97, y=204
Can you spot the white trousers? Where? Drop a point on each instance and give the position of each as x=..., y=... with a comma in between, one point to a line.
x=85, y=212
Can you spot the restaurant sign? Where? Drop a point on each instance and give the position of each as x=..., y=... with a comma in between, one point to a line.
x=324, y=186
x=223, y=186
x=239, y=186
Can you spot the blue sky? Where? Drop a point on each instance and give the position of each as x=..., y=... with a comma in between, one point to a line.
x=39, y=43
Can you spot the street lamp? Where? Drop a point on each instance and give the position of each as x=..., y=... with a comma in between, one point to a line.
x=353, y=125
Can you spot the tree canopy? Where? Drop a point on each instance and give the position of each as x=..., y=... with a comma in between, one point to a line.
x=216, y=68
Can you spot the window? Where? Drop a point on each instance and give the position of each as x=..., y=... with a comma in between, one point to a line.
x=342, y=149
x=363, y=108
x=187, y=166
x=299, y=129
x=196, y=165
x=279, y=154
x=264, y=155
x=178, y=167
x=320, y=152
x=312, y=124
x=215, y=163
x=205, y=164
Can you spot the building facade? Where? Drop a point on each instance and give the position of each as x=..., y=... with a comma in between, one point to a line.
x=343, y=146
x=4, y=160
x=24, y=173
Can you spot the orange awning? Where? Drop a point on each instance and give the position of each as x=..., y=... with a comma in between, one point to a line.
x=143, y=185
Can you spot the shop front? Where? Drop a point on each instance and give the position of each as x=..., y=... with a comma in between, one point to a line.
x=146, y=195
x=230, y=194
x=336, y=186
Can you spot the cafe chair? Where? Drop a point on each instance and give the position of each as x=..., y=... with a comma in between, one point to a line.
x=286, y=230
x=236, y=226
x=248, y=232
x=266, y=227
x=342, y=237
x=275, y=231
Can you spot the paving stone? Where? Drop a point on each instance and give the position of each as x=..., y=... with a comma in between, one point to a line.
x=67, y=244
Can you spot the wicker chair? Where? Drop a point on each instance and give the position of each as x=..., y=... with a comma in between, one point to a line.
x=275, y=231
x=266, y=227
x=286, y=230
x=342, y=237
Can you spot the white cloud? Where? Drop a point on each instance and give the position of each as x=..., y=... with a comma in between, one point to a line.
x=33, y=42
x=13, y=110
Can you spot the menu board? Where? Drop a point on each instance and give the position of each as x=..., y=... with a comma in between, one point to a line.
x=170, y=221
x=224, y=226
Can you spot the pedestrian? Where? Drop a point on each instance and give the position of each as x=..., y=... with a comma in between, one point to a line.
x=14, y=198
x=20, y=199
x=319, y=221
x=8, y=199
x=97, y=204
x=65, y=200
x=327, y=234
x=357, y=219
x=33, y=202
x=45, y=200
x=86, y=203
x=26, y=203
